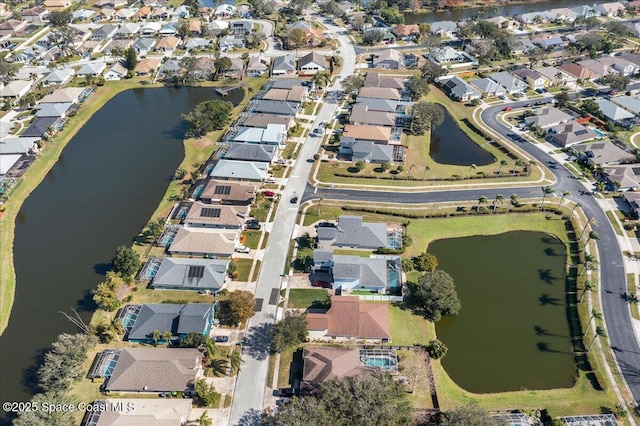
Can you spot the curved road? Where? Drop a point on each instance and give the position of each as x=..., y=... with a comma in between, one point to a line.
x=613, y=276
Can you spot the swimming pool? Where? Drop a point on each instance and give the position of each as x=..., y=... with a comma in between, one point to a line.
x=198, y=191
x=598, y=132
x=392, y=278
x=378, y=362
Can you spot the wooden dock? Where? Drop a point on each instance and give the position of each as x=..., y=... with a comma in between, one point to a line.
x=224, y=91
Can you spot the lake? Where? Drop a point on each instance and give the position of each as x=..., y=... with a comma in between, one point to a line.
x=100, y=194
x=512, y=332
x=450, y=145
x=508, y=10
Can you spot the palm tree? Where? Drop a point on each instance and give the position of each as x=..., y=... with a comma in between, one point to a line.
x=155, y=335
x=426, y=169
x=167, y=336
x=588, y=286
x=503, y=163
x=481, y=200
x=517, y=164
x=218, y=367
x=118, y=327
x=588, y=259
x=209, y=348
x=575, y=206
x=565, y=193
x=600, y=332
x=499, y=199
x=591, y=221
x=204, y=420
x=515, y=200
x=593, y=235
x=472, y=167
x=595, y=314
x=546, y=190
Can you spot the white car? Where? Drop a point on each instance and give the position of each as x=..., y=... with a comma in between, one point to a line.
x=243, y=249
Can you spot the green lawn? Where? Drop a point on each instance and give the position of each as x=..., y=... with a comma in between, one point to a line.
x=303, y=298
x=244, y=267
x=287, y=152
x=309, y=108
x=407, y=328
x=251, y=239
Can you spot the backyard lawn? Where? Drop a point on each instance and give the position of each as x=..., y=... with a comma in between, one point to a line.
x=303, y=298
x=408, y=329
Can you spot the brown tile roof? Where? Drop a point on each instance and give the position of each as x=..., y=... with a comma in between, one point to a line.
x=225, y=191
x=578, y=71
x=144, y=11
x=204, y=241
x=147, y=65
x=169, y=42
x=348, y=317
x=322, y=364
x=261, y=120
x=402, y=30
x=360, y=114
x=379, y=93
x=375, y=79
x=296, y=94
x=368, y=133
x=147, y=411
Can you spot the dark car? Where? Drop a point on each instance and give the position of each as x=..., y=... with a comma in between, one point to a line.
x=253, y=226
x=221, y=339
x=294, y=199
x=289, y=392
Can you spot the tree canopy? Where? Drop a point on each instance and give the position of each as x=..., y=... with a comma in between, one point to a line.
x=615, y=81
x=110, y=293
x=63, y=364
x=237, y=308
x=126, y=261
x=418, y=86
x=434, y=295
x=426, y=116
x=46, y=417
x=351, y=83
x=467, y=415
x=352, y=401
x=207, y=117
x=425, y=262
x=60, y=18
x=7, y=71
x=296, y=38
x=289, y=332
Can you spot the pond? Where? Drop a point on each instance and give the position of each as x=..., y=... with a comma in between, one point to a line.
x=512, y=332
x=450, y=145
x=508, y=10
x=100, y=194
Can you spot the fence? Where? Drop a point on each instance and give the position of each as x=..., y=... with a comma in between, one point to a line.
x=381, y=298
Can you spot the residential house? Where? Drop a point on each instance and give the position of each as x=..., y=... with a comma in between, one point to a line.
x=566, y=134
x=284, y=65
x=384, y=105
x=105, y=32
x=367, y=151
x=460, y=90
x=447, y=55
x=161, y=13
x=92, y=69
x=375, y=79
x=610, y=9
x=297, y=94
x=232, y=42
x=144, y=45
x=613, y=112
x=168, y=28
x=68, y=94
x=120, y=44
x=204, y=242
x=7, y=161
x=547, y=117
x=557, y=77
x=168, y=45
x=179, y=319
x=278, y=108
x=444, y=28
x=143, y=13
x=263, y=120
x=377, y=134
x=58, y=77
x=16, y=89
x=116, y=72
x=40, y=126
x=509, y=82
x=603, y=152
x=353, y=232
x=561, y=15
x=585, y=10
x=155, y=370
x=488, y=87
x=105, y=14
x=243, y=11
x=532, y=18
x=146, y=67
x=351, y=272
x=273, y=134
x=35, y=15
x=406, y=32
x=321, y=364
x=349, y=318
x=194, y=43
x=627, y=102
x=240, y=170
x=228, y=192
x=251, y=152
x=596, y=67
x=520, y=45
x=241, y=27
x=379, y=93
x=633, y=199
x=110, y=3
x=578, y=71
x=312, y=63
x=548, y=42
x=175, y=273
x=12, y=27
x=624, y=177
x=125, y=13
x=150, y=412
x=389, y=59
x=150, y=28
x=171, y=67
x=18, y=145
x=236, y=70
x=79, y=15
x=360, y=115
x=216, y=216
x=216, y=27
x=181, y=12
x=634, y=58
x=258, y=66
x=54, y=110
x=534, y=79
x=57, y=5
x=385, y=36
x=619, y=65
x=128, y=30
x=88, y=48
x=314, y=37
x=225, y=11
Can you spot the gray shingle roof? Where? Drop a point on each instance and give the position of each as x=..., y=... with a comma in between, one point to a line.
x=39, y=127
x=251, y=152
x=370, y=271
x=179, y=319
x=353, y=232
x=174, y=273
x=277, y=107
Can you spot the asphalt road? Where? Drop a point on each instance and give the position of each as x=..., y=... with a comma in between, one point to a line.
x=250, y=385
x=613, y=277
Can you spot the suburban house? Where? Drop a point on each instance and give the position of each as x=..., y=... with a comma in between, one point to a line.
x=295, y=94
x=350, y=272
x=384, y=35
x=35, y=15
x=603, y=152
x=204, y=242
x=105, y=32
x=197, y=43
x=168, y=28
x=385, y=105
x=566, y=134
x=219, y=216
x=375, y=79
x=349, y=318
x=57, y=5
x=444, y=28
x=406, y=32
x=225, y=11
x=278, y=108
x=312, y=63
x=633, y=199
x=548, y=42
x=376, y=134
x=146, y=66
x=232, y=42
x=177, y=273
x=447, y=55
x=53, y=110
x=92, y=69
x=460, y=90
x=116, y=72
x=16, y=89
x=40, y=127
x=171, y=67
x=546, y=117
x=82, y=15
x=366, y=151
x=144, y=45
x=17, y=145
x=240, y=170
x=284, y=65
x=629, y=103
x=534, y=79
x=12, y=27
x=228, y=192
x=624, y=177
x=273, y=134
x=509, y=82
x=68, y=94
x=155, y=370
x=240, y=27
x=352, y=232
x=150, y=28
x=167, y=45
x=557, y=77
x=619, y=65
x=58, y=77
x=379, y=93
x=596, y=67
x=262, y=120
x=488, y=87
x=150, y=412
x=613, y=112
x=610, y=9
x=390, y=59
x=251, y=152
x=321, y=364
x=360, y=114
x=121, y=44
x=257, y=66
x=579, y=72
x=179, y=319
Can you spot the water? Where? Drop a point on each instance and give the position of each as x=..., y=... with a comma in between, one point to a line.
x=507, y=10
x=450, y=145
x=512, y=332
x=99, y=195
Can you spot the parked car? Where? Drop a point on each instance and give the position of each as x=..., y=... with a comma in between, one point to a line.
x=321, y=284
x=269, y=193
x=243, y=249
x=254, y=226
x=507, y=109
x=287, y=392
x=294, y=199
x=221, y=339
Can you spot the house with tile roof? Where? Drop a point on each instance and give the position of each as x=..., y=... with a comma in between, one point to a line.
x=377, y=134
x=578, y=71
x=147, y=66
x=348, y=318
x=219, y=216
x=321, y=364
x=179, y=319
x=406, y=32
x=168, y=45
x=153, y=370
x=179, y=273
x=204, y=242
x=148, y=412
